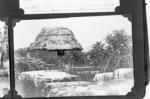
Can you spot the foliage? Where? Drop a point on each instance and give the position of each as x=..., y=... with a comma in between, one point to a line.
x=118, y=42
x=120, y=47
x=4, y=46
x=22, y=52
x=113, y=52
x=98, y=54
x=74, y=58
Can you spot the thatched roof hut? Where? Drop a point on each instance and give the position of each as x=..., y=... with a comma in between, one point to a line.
x=55, y=39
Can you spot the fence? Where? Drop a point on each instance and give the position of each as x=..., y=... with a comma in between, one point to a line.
x=86, y=73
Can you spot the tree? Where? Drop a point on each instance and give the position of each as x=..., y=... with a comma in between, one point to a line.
x=98, y=54
x=22, y=52
x=114, y=49
x=76, y=58
x=118, y=42
x=119, y=46
x=4, y=45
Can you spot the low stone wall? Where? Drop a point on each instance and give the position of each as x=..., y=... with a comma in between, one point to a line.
x=33, y=83
x=121, y=73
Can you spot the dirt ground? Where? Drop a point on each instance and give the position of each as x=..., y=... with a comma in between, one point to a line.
x=4, y=83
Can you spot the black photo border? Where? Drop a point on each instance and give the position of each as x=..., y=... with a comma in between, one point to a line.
x=136, y=8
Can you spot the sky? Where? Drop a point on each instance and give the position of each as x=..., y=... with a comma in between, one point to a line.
x=87, y=30
x=32, y=6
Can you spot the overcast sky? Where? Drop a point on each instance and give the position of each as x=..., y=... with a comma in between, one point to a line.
x=62, y=6
x=87, y=30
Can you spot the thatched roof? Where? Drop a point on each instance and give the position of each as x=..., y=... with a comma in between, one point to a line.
x=58, y=38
